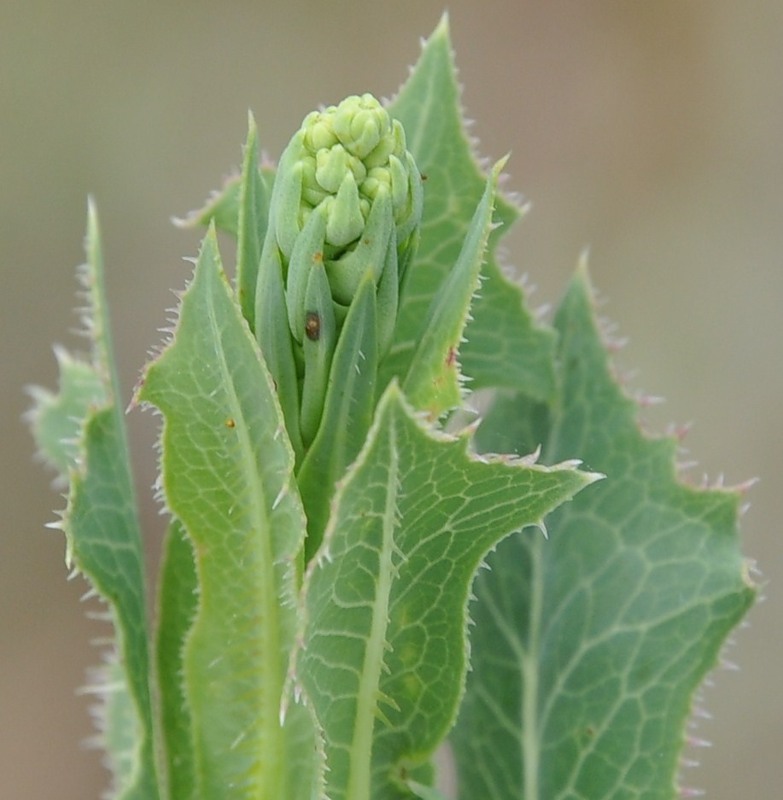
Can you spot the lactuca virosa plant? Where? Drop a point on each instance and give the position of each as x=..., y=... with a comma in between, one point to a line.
x=331, y=500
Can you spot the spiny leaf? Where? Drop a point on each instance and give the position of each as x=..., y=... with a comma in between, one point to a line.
x=57, y=419
x=104, y=544
x=432, y=383
x=428, y=106
x=305, y=764
x=383, y=653
x=588, y=647
x=221, y=209
x=82, y=432
x=227, y=474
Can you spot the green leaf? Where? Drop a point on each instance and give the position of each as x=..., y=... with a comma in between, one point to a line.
x=305, y=757
x=505, y=348
x=347, y=416
x=58, y=419
x=104, y=544
x=428, y=106
x=253, y=212
x=241, y=197
x=221, y=209
x=82, y=432
x=383, y=653
x=432, y=383
x=227, y=474
x=588, y=647
x=177, y=605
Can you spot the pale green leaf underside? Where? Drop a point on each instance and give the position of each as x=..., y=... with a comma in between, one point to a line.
x=588, y=647
x=428, y=106
x=81, y=431
x=227, y=474
x=383, y=655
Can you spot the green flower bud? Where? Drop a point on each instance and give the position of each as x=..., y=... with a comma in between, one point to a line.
x=339, y=158
x=347, y=202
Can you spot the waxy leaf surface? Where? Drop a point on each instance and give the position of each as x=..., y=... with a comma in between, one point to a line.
x=588, y=647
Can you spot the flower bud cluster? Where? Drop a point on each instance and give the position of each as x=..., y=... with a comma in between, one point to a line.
x=343, y=226
x=350, y=154
x=344, y=161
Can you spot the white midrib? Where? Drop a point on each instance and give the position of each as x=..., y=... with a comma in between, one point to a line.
x=359, y=772
x=531, y=735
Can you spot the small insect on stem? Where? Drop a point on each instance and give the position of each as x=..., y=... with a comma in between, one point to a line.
x=231, y=423
x=312, y=326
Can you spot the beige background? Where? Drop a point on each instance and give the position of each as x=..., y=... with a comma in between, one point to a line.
x=650, y=131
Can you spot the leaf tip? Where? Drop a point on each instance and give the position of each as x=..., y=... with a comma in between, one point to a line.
x=252, y=127
x=442, y=29
x=593, y=477
x=583, y=264
x=92, y=213
x=500, y=165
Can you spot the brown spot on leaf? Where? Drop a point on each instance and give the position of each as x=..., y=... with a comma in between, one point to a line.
x=312, y=326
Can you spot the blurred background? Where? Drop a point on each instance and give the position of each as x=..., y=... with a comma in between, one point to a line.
x=650, y=132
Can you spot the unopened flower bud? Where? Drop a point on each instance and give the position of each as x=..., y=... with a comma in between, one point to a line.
x=347, y=202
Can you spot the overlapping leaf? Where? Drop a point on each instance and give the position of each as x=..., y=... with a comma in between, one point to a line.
x=227, y=475
x=384, y=653
x=588, y=647
x=432, y=380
